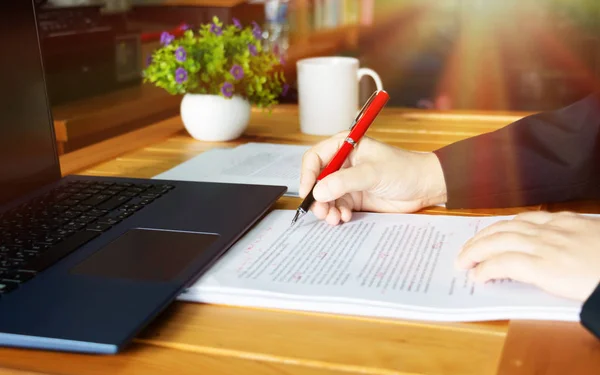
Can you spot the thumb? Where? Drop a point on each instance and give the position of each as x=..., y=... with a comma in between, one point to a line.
x=360, y=178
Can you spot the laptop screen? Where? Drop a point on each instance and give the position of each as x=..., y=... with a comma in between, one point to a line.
x=28, y=157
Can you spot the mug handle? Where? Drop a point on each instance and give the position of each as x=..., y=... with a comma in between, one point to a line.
x=371, y=73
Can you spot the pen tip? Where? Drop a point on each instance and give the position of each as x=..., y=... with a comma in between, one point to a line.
x=295, y=218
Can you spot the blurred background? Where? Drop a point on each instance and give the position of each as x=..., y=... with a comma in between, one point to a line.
x=464, y=55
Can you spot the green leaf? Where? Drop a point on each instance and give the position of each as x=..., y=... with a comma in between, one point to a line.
x=209, y=60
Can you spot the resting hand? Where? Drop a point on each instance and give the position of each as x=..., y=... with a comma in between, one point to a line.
x=559, y=253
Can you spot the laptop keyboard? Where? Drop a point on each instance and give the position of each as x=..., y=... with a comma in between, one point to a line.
x=44, y=230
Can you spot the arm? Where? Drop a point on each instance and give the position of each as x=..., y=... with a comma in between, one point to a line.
x=547, y=157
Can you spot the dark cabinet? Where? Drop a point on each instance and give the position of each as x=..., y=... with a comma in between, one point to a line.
x=173, y=13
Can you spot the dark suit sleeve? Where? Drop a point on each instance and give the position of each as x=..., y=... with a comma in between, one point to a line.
x=548, y=157
x=590, y=313
x=543, y=158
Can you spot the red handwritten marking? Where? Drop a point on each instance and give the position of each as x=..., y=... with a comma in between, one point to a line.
x=437, y=245
x=379, y=274
x=322, y=254
x=258, y=239
x=383, y=255
x=241, y=267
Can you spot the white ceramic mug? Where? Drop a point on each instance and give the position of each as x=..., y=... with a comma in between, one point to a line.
x=328, y=93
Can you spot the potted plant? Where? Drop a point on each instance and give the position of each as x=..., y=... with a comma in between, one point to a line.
x=221, y=72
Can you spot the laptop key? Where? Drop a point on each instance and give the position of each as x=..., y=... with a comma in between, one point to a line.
x=98, y=227
x=10, y=263
x=96, y=213
x=16, y=277
x=50, y=240
x=69, y=202
x=132, y=207
x=7, y=287
x=115, y=189
x=80, y=196
x=37, y=247
x=56, y=253
x=71, y=214
x=108, y=220
x=64, y=233
x=96, y=200
x=135, y=190
x=62, y=196
x=74, y=226
x=113, y=203
x=91, y=191
x=22, y=255
x=128, y=194
x=149, y=196
x=84, y=219
x=81, y=208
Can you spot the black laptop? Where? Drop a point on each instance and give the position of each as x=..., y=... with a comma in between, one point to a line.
x=85, y=262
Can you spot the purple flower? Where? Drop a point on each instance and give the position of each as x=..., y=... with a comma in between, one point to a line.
x=237, y=72
x=256, y=31
x=227, y=89
x=285, y=89
x=166, y=38
x=181, y=75
x=282, y=60
x=253, y=50
x=237, y=23
x=181, y=54
x=215, y=29
x=149, y=60
x=185, y=27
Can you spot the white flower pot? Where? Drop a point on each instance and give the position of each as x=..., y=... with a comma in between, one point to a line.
x=214, y=118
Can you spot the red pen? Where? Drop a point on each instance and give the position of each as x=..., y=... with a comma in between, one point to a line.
x=363, y=121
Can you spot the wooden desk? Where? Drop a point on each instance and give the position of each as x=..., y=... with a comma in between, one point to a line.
x=208, y=339
x=90, y=120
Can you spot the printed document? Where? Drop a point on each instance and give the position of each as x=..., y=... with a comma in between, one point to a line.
x=250, y=163
x=386, y=265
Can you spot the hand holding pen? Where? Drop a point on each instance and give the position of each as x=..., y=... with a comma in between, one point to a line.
x=361, y=124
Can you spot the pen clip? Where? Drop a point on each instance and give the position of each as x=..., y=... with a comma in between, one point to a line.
x=363, y=109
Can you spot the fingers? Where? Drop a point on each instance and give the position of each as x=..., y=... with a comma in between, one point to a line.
x=315, y=159
x=345, y=204
x=562, y=221
x=495, y=245
x=334, y=216
x=536, y=217
x=524, y=227
x=334, y=212
x=522, y=234
x=516, y=266
x=311, y=166
x=355, y=179
x=340, y=211
x=320, y=209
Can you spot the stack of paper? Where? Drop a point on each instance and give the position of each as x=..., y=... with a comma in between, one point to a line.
x=250, y=163
x=384, y=265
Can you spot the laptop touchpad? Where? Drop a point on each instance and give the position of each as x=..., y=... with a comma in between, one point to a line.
x=146, y=255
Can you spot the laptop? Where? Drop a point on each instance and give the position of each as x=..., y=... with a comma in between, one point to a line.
x=87, y=262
